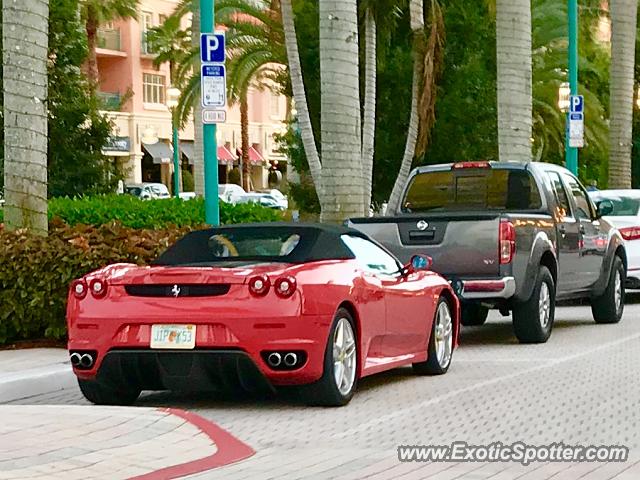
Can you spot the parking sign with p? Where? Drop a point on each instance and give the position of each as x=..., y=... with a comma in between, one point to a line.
x=212, y=47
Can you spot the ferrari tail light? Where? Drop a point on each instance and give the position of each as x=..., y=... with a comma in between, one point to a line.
x=507, y=242
x=98, y=288
x=259, y=286
x=285, y=286
x=630, y=233
x=79, y=289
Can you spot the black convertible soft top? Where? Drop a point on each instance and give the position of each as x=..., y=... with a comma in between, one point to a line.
x=314, y=242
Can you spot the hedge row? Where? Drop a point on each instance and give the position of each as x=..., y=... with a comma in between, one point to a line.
x=155, y=214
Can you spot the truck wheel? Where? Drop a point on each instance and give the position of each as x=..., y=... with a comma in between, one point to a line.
x=473, y=315
x=608, y=307
x=533, y=319
x=103, y=394
x=340, y=377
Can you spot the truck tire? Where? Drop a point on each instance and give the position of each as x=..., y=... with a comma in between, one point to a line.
x=473, y=314
x=608, y=307
x=533, y=319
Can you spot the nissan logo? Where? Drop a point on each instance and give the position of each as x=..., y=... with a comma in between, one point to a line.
x=422, y=225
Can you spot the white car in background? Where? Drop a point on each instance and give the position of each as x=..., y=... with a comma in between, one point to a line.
x=148, y=191
x=280, y=197
x=264, y=199
x=230, y=192
x=625, y=216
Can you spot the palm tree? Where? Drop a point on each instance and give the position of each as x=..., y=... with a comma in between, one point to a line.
x=513, y=46
x=170, y=43
x=25, y=43
x=340, y=111
x=623, y=43
x=427, y=63
x=95, y=13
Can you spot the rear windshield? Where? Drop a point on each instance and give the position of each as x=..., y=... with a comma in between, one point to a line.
x=472, y=189
x=622, y=206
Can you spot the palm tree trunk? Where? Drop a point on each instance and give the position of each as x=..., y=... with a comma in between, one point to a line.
x=340, y=115
x=198, y=147
x=623, y=42
x=25, y=42
x=300, y=97
x=92, y=44
x=244, y=133
x=416, y=8
x=369, y=116
x=513, y=43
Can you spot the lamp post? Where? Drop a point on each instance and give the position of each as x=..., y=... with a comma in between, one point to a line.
x=209, y=132
x=571, y=154
x=173, y=97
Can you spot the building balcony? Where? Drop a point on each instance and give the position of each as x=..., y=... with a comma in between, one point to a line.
x=110, y=43
x=110, y=101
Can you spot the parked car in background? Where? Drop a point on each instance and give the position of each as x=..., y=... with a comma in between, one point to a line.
x=280, y=197
x=148, y=191
x=230, y=192
x=187, y=195
x=312, y=306
x=510, y=236
x=622, y=210
x=264, y=199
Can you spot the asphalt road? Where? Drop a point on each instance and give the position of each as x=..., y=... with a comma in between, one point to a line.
x=582, y=387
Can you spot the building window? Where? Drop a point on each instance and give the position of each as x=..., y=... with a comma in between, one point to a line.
x=146, y=20
x=161, y=19
x=275, y=105
x=153, y=88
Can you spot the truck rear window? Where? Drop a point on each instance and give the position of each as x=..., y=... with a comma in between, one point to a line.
x=472, y=189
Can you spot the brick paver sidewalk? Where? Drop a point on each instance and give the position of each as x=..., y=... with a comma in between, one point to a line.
x=89, y=442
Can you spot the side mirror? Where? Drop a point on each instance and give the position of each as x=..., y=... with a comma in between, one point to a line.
x=605, y=207
x=418, y=263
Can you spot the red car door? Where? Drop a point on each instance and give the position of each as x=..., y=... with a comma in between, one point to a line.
x=405, y=299
x=409, y=314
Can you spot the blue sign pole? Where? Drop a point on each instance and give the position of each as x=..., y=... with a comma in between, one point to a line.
x=210, y=141
x=571, y=154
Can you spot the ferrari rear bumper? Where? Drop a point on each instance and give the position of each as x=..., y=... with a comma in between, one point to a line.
x=198, y=370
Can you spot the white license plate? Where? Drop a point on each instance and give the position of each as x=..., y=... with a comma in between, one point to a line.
x=173, y=336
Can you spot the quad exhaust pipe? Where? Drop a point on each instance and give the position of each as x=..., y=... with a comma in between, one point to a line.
x=274, y=359
x=290, y=359
x=82, y=360
x=75, y=359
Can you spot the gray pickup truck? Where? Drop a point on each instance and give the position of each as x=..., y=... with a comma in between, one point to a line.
x=509, y=236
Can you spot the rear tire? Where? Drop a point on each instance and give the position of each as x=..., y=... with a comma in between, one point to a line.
x=440, y=349
x=533, y=319
x=609, y=307
x=473, y=315
x=102, y=394
x=342, y=348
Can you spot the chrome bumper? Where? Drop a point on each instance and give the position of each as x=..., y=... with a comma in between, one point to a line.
x=486, y=289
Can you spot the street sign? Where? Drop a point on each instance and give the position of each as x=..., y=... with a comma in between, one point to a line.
x=212, y=48
x=576, y=104
x=213, y=81
x=576, y=130
x=214, y=116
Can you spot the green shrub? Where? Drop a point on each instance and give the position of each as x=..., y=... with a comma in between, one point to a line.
x=35, y=272
x=154, y=214
x=234, y=176
x=304, y=195
x=188, y=183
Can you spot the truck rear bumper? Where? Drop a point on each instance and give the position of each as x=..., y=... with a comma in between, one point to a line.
x=481, y=289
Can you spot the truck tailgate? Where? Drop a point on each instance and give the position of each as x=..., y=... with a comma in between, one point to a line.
x=461, y=245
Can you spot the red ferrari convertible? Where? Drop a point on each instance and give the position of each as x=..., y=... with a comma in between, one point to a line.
x=257, y=307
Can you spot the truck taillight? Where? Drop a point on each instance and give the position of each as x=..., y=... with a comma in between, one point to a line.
x=463, y=165
x=507, y=242
x=630, y=233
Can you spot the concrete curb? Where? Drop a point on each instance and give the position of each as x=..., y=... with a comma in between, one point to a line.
x=36, y=381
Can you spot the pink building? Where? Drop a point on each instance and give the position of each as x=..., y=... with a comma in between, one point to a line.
x=135, y=95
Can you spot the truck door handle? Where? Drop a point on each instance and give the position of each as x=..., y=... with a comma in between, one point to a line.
x=563, y=230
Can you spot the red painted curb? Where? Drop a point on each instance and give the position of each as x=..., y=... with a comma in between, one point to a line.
x=229, y=450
